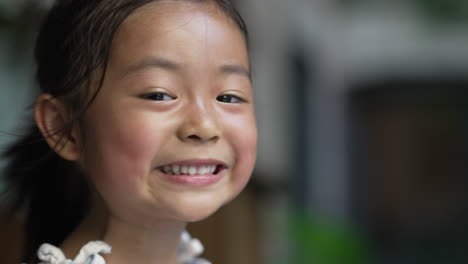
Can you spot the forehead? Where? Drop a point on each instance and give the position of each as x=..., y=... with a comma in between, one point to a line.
x=182, y=9
x=181, y=29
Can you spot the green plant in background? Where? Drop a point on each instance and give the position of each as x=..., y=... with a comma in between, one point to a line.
x=326, y=242
x=444, y=10
x=439, y=11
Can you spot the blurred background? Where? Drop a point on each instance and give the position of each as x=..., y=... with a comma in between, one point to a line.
x=362, y=109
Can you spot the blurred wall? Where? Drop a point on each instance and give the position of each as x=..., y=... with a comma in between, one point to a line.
x=310, y=59
x=17, y=32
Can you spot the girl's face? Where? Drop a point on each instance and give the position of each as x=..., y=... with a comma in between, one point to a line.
x=171, y=134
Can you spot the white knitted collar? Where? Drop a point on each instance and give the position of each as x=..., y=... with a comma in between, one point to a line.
x=189, y=250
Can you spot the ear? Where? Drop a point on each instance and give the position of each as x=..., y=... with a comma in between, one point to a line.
x=52, y=118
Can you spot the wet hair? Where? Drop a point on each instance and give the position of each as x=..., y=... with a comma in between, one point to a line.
x=73, y=45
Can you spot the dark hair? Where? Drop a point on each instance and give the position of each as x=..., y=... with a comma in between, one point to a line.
x=73, y=43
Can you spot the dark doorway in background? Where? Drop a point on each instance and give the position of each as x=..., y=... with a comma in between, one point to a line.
x=409, y=156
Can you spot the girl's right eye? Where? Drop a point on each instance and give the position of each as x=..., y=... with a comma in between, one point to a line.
x=158, y=96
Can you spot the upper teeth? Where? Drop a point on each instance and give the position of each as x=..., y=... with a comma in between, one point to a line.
x=191, y=170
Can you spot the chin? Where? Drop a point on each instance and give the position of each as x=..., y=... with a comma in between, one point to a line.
x=193, y=209
x=193, y=206
x=197, y=213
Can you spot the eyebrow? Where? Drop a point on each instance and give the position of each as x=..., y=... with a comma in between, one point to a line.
x=152, y=62
x=157, y=62
x=236, y=69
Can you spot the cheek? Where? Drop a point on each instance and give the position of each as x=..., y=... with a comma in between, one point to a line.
x=120, y=152
x=247, y=154
x=244, y=140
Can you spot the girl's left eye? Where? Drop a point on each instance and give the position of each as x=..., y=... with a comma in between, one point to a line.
x=158, y=96
x=230, y=99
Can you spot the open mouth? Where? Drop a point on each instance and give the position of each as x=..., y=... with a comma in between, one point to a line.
x=182, y=169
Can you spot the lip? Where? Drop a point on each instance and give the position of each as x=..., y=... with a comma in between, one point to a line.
x=196, y=162
x=195, y=180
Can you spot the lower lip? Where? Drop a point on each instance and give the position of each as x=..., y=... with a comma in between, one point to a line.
x=194, y=180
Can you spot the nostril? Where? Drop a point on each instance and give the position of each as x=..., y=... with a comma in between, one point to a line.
x=201, y=138
x=194, y=137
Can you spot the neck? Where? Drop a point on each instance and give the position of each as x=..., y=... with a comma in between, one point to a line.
x=91, y=228
x=130, y=243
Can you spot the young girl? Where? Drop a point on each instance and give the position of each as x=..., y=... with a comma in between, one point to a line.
x=147, y=123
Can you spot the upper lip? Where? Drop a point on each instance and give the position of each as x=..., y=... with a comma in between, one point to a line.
x=196, y=162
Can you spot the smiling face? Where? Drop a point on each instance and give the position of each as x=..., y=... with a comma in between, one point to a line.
x=171, y=135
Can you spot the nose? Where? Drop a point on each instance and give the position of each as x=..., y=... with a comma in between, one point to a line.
x=199, y=125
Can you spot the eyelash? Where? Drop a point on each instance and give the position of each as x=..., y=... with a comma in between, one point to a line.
x=223, y=97
x=158, y=96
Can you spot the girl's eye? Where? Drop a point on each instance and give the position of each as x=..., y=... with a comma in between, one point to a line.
x=230, y=99
x=158, y=96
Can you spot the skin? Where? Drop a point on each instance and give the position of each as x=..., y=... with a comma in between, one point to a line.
x=160, y=104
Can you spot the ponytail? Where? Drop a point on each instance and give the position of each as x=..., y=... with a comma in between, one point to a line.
x=50, y=191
